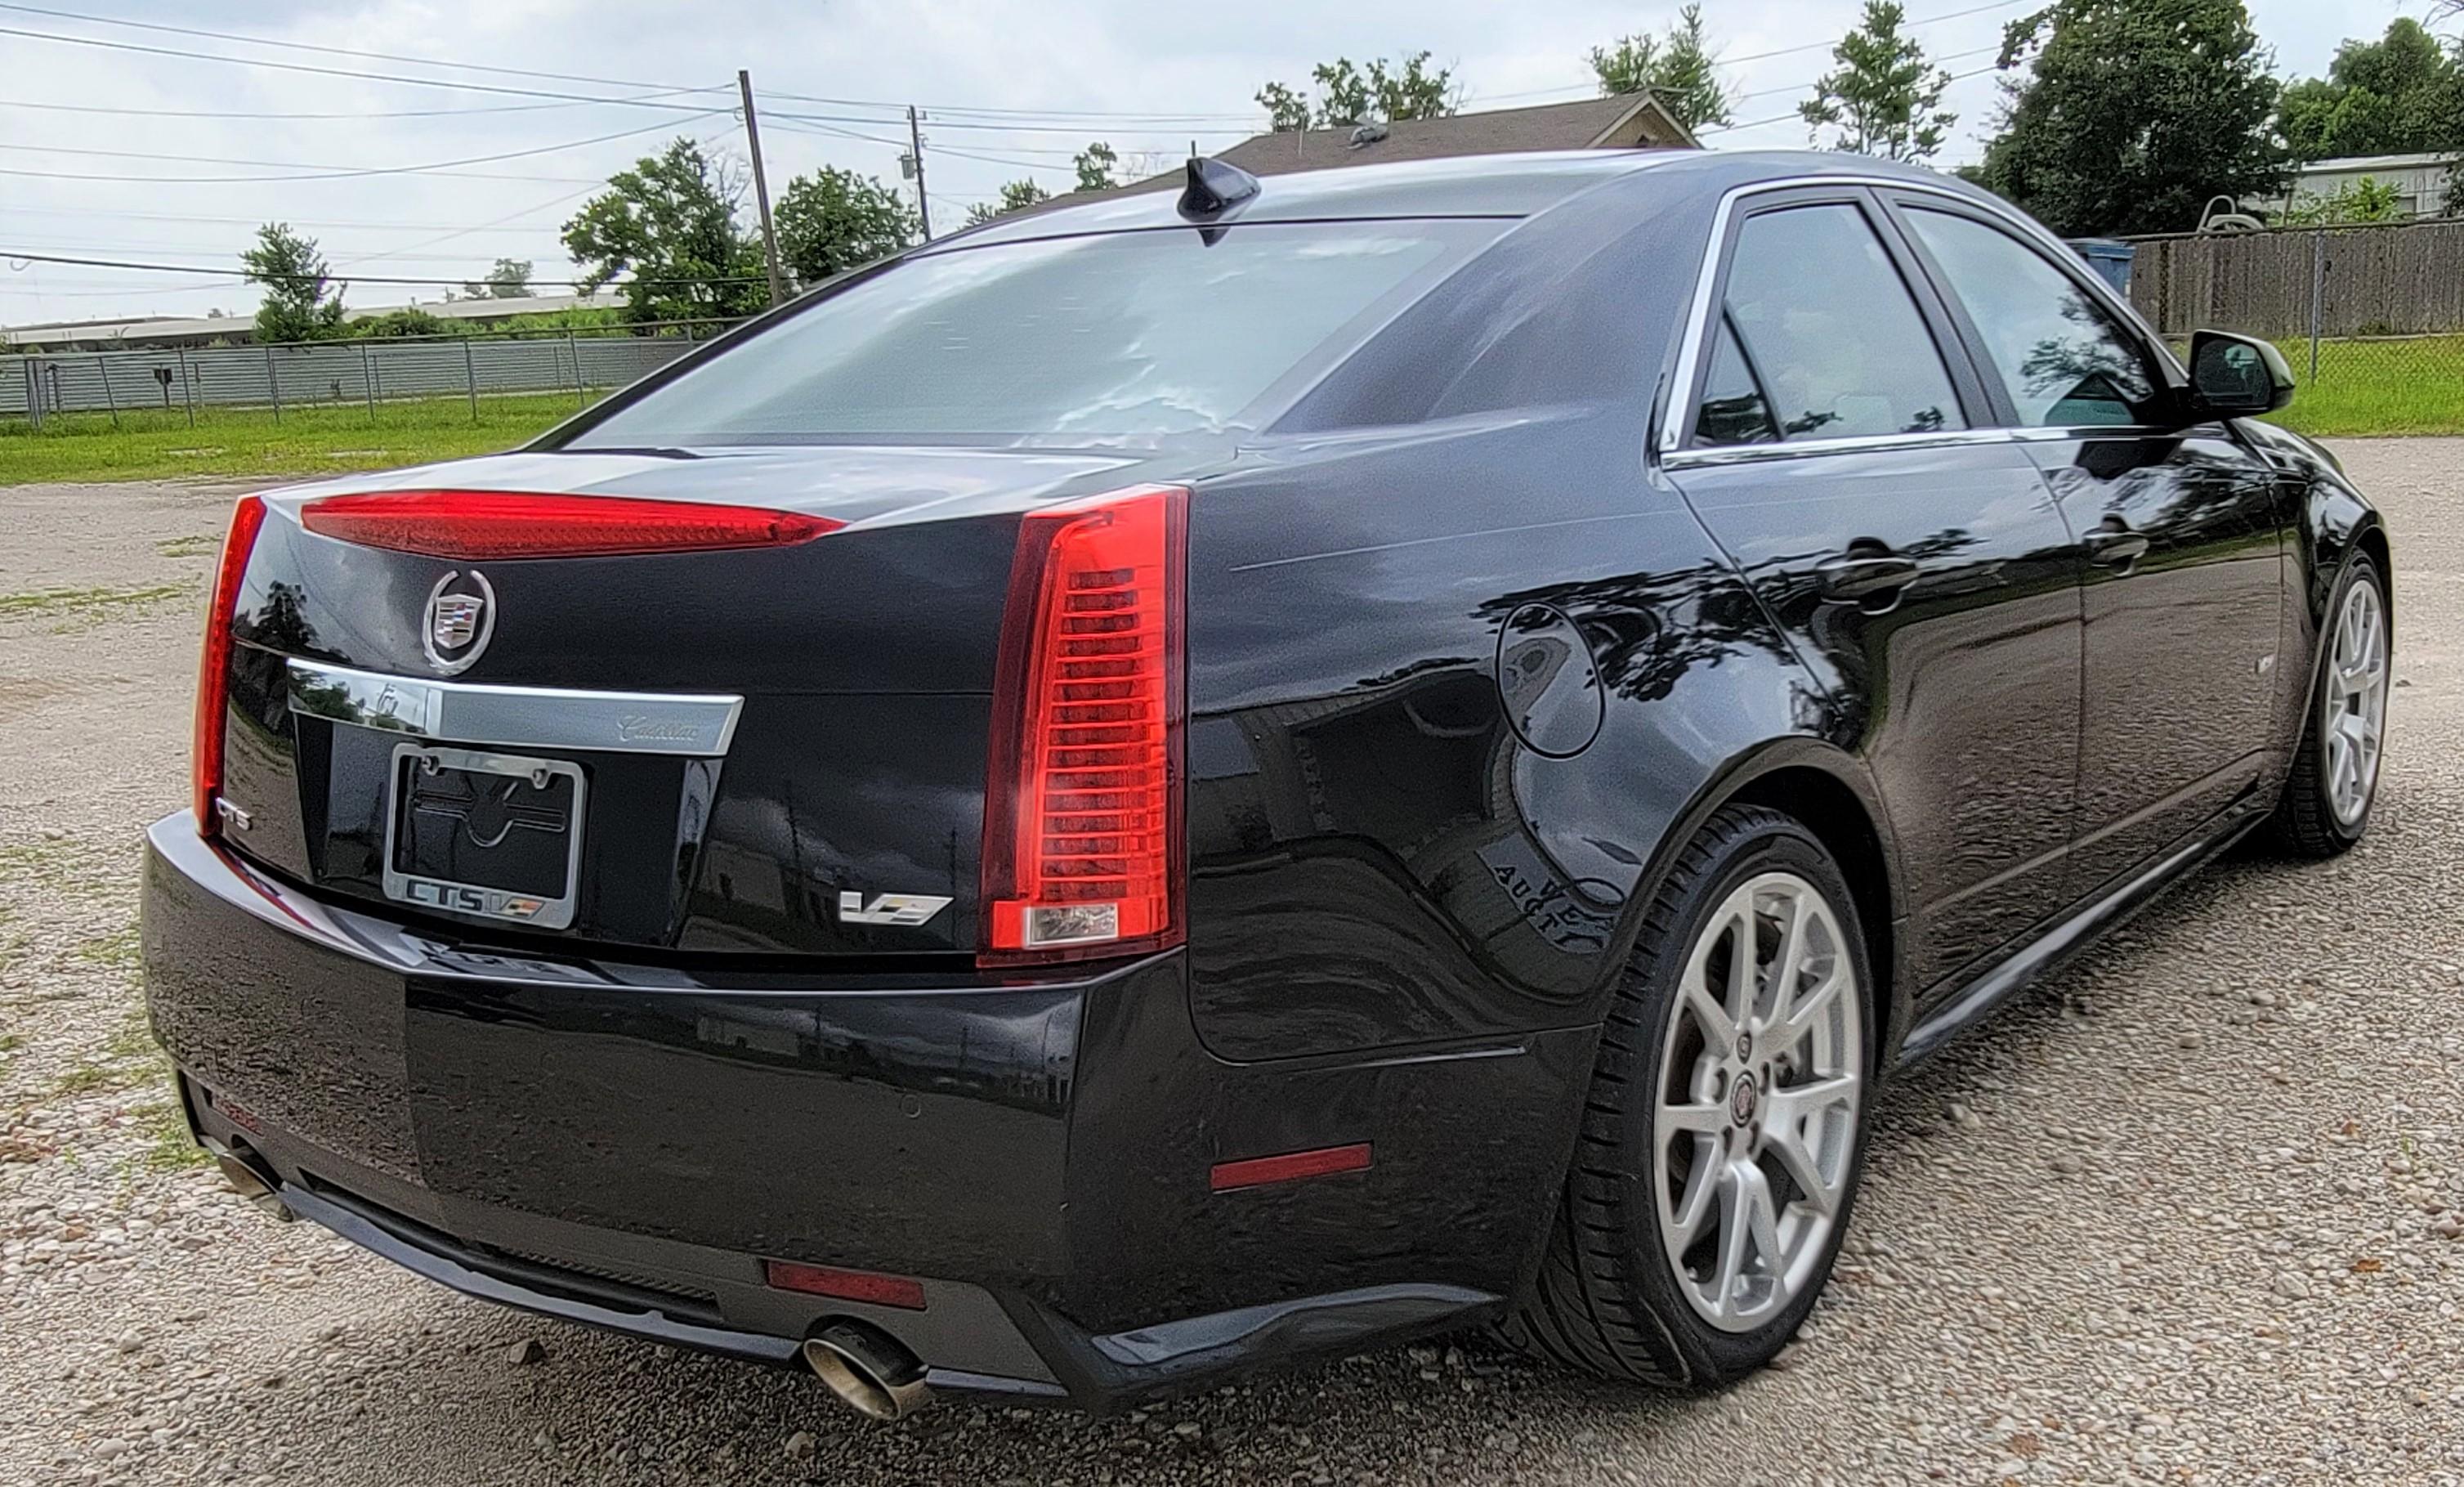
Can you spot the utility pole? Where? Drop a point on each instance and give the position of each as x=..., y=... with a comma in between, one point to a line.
x=916, y=163
x=762, y=187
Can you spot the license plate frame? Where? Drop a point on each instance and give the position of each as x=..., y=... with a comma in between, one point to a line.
x=480, y=900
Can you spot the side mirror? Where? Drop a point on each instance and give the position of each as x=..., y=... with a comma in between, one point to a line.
x=2237, y=376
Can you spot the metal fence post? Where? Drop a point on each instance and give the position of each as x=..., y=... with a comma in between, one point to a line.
x=2318, y=296
x=34, y=391
x=274, y=382
x=188, y=388
x=103, y=365
x=470, y=377
x=368, y=383
x=573, y=349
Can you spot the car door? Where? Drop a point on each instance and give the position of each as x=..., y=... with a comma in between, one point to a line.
x=2183, y=534
x=1920, y=566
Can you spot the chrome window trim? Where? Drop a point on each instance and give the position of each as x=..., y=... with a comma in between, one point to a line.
x=1701, y=455
x=695, y=725
x=1681, y=407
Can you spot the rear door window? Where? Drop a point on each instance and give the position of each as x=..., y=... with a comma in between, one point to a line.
x=1841, y=347
x=2064, y=361
x=1127, y=334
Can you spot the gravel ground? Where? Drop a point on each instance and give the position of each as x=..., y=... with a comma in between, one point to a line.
x=2188, y=1213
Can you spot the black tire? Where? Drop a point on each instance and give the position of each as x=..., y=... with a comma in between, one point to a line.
x=2305, y=823
x=1606, y=1300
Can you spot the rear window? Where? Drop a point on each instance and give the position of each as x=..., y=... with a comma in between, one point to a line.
x=1130, y=335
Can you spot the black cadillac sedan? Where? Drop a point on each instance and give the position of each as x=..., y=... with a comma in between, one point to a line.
x=1246, y=771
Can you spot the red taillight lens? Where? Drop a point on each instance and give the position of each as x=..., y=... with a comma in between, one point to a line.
x=475, y=525
x=213, y=666
x=1083, y=805
x=846, y=1285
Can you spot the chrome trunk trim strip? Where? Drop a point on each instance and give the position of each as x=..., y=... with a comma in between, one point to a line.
x=697, y=726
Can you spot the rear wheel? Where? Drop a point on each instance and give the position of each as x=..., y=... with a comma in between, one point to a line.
x=2335, y=775
x=1724, y=1133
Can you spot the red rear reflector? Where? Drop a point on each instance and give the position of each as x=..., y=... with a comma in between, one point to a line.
x=475, y=525
x=243, y=1119
x=846, y=1285
x=1290, y=1166
x=1083, y=807
x=213, y=665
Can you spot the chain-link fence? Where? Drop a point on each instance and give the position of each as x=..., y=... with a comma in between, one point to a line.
x=2370, y=318
x=580, y=361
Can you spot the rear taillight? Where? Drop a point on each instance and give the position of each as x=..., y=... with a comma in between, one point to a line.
x=213, y=666
x=1083, y=804
x=469, y=526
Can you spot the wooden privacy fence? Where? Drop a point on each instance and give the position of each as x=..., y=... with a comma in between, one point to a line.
x=2398, y=279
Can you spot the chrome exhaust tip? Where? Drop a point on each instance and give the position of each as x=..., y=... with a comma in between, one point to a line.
x=246, y=1181
x=869, y=1369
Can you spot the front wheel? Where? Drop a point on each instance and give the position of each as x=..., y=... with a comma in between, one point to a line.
x=2335, y=775
x=1724, y=1131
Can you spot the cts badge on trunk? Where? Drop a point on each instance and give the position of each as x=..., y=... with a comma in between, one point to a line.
x=461, y=616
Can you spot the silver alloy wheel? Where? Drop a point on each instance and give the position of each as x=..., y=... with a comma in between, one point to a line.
x=1754, y=1133
x=2355, y=719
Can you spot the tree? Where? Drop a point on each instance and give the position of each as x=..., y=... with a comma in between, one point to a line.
x=509, y=279
x=2135, y=113
x=1679, y=67
x=2365, y=200
x=1885, y=98
x=2400, y=95
x=1096, y=164
x=1015, y=196
x=408, y=321
x=297, y=305
x=1349, y=93
x=670, y=224
x=834, y=220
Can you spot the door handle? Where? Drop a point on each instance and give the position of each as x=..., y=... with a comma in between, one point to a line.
x=2115, y=546
x=1865, y=577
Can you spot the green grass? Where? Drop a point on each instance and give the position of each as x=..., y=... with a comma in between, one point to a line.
x=168, y=1145
x=84, y=603
x=321, y=438
x=2413, y=384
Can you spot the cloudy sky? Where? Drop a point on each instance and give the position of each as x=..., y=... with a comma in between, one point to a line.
x=150, y=149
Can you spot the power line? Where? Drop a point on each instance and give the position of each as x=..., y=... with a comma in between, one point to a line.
x=1252, y=121
x=319, y=173
x=1824, y=46
x=773, y=120
x=184, y=217
x=1947, y=57
x=245, y=39
x=344, y=72
x=973, y=111
x=1592, y=87
x=1757, y=123
x=363, y=113
x=355, y=278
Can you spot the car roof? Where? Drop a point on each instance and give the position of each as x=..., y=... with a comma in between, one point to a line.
x=1506, y=185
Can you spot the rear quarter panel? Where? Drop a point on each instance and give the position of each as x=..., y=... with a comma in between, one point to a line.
x=1384, y=850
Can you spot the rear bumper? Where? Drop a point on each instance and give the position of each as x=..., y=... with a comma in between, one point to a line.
x=624, y=1145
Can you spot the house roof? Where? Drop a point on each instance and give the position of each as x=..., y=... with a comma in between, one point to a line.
x=1623, y=119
